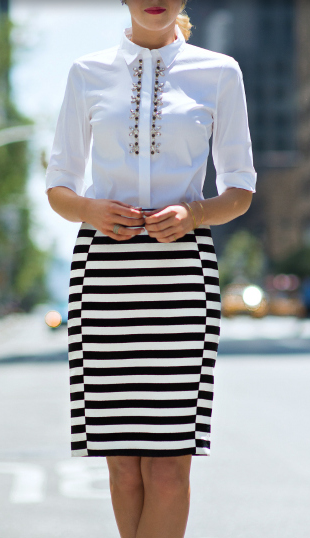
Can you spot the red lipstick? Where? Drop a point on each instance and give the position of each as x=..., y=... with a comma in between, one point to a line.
x=155, y=10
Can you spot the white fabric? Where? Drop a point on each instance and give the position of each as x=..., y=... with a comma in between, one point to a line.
x=203, y=94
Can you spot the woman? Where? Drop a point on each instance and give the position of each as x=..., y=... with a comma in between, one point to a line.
x=144, y=305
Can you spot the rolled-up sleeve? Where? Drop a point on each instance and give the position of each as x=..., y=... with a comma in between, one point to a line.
x=232, y=147
x=71, y=147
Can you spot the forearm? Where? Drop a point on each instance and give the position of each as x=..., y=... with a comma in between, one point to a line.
x=224, y=208
x=68, y=204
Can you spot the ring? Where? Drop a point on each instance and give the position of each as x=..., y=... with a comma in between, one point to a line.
x=175, y=238
x=116, y=227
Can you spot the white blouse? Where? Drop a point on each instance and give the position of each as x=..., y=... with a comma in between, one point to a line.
x=149, y=115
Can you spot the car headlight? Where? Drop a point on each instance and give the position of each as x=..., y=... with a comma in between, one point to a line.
x=253, y=296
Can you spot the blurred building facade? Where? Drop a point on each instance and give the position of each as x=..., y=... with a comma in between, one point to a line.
x=270, y=40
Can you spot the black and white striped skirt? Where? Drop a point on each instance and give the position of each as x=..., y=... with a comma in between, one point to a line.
x=144, y=323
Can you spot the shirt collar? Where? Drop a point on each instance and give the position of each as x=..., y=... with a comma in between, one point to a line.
x=168, y=53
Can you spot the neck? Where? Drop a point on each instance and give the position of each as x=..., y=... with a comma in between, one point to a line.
x=152, y=39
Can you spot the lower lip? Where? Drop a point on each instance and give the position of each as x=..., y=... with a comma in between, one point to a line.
x=154, y=11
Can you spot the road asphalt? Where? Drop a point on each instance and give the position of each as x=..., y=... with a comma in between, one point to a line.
x=27, y=337
x=256, y=484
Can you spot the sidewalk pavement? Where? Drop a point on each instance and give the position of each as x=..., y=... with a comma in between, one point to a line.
x=24, y=335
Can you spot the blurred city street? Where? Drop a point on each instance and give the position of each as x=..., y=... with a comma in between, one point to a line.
x=256, y=484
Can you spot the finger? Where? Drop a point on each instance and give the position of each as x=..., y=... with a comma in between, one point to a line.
x=153, y=212
x=124, y=237
x=123, y=230
x=159, y=217
x=172, y=238
x=130, y=212
x=128, y=221
x=164, y=234
x=121, y=203
x=118, y=237
x=160, y=226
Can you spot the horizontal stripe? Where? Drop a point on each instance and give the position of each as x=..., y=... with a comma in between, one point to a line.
x=150, y=354
x=87, y=230
x=203, y=443
x=143, y=403
x=128, y=249
x=73, y=338
x=141, y=330
x=153, y=281
x=146, y=290
x=201, y=428
x=206, y=412
x=119, y=396
x=214, y=305
x=72, y=331
x=141, y=338
x=145, y=436
x=75, y=356
x=144, y=239
x=75, y=398
x=159, y=297
x=133, y=362
x=78, y=371
x=78, y=421
x=138, y=256
x=78, y=437
x=147, y=347
x=95, y=303
x=77, y=413
x=209, y=357
x=147, y=370
x=149, y=272
x=130, y=420
x=146, y=414
x=132, y=264
x=143, y=380
x=127, y=444
x=77, y=273
x=154, y=452
x=84, y=240
x=147, y=386
x=79, y=257
x=162, y=429
x=142, y=314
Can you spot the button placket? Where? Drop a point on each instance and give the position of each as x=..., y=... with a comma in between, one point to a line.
x=145, y=131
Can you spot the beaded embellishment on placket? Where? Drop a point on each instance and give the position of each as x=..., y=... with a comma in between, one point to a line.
x=135, y=114
x=157, y=114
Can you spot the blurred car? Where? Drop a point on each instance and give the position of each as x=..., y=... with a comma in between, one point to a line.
x=286, y=305
x=244, y=299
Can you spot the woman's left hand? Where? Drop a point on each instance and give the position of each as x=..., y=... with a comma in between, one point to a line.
x=169, y=223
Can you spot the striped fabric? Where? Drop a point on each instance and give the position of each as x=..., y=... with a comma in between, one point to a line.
x=143, y=324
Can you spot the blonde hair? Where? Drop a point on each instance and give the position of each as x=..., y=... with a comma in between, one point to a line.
x=184, y=23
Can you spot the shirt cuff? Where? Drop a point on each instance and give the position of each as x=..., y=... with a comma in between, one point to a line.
x=240, y=180
x=59, y=178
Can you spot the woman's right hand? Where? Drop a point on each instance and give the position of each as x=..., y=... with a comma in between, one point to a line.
x=105, y=214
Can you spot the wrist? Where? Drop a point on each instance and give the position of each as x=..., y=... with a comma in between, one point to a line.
x=84, y=206
x=200, y=215
x=191, y=212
